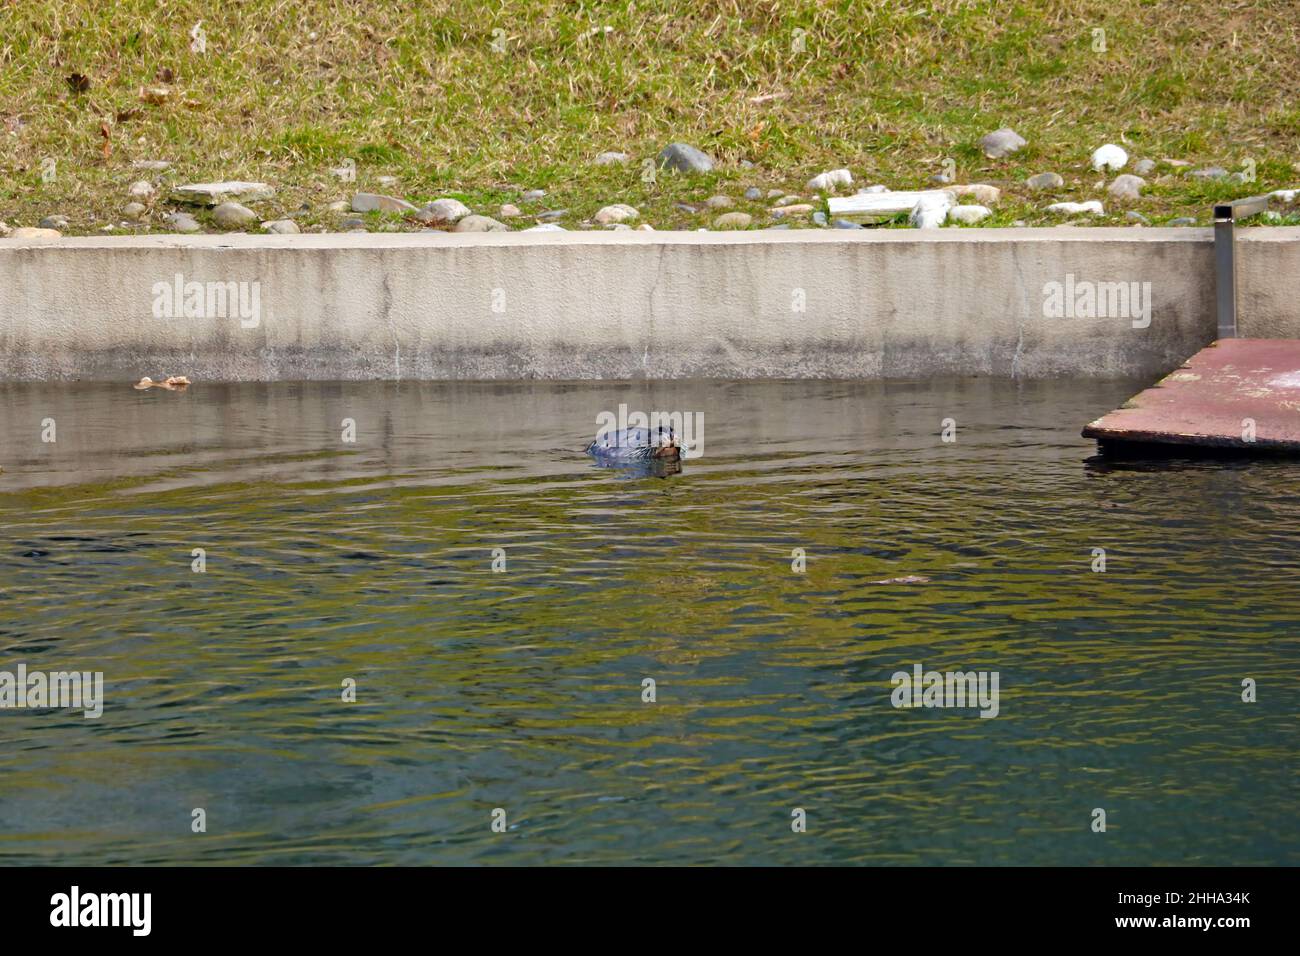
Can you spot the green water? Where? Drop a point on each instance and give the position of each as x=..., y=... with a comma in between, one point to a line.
x=522, y=690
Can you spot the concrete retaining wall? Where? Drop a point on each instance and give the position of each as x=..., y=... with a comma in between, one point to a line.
x=782, y=304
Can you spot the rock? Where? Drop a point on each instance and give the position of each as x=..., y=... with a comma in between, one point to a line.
x=931, y=211
x=352, y=222
x=719, y=202
x=1181, y=221
x=546, y=227
x=618, y=227
x=553, y=214
x=941, y=179
x=784, y=225
x=533, y=195
x=445, y=210
x=1045, y=181
x=969, y=214
x=231, y=215
x=182, y=222
x=733, y=220
x=618, y=212
x=133, y=211
x=690, y=207
x=1211, y=172
x=1285, y=195
x=845, y=224
x=34, y=232
x=775, y=193
x=753, y=193
x=828, y=181
x=340, y=205
x=798, y=209
x=1109, y=157
x=54, y=222
x=1134, y=216
x=789, y=199
x=210, y=194
x=685, y=158
x=154, y=165
x=819, y=218
x=283, y=227
x=1144, y=167
x=480, y=224
x=611, y=159
x=1176, y=163
x=877, y=188
x=386, y=180
x=1127, y=187
x=980, y=192
x=376, y=202
x=143, y=190
x=1001, y=142
x=645, y=227
x=1070, y=208
x=508, y=211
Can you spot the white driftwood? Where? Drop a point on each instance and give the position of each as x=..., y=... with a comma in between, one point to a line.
x=883, y=205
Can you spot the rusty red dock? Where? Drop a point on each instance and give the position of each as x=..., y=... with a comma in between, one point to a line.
x=1237, y=394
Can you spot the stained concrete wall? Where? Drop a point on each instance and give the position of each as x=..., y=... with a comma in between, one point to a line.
x=781, y=304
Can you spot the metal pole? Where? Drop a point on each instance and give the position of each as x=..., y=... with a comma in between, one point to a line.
x=1225, y=260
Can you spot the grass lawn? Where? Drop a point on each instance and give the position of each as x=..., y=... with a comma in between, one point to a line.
x=481, y=101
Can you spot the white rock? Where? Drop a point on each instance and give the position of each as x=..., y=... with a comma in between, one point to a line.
x=284, y=227
x=969, y=214
x=1092, y=205
x=34, y=232
x=1285, y=195
x=546, y=227
x=828, y=181
x=1001, y=142
x=1109, y=157
x=508, y=211
x=930, y=211
x=610, y=159
x=444, y=210
x=142, y=190
x=645, y=227
x=209, y=194
x=619, y=212
x=1127, y=186
x=982, y=193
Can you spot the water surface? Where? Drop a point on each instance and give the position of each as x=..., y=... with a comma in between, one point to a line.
x=522, y=690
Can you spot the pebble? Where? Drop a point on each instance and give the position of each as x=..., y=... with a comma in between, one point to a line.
x=753, y=193
x=533, y=195
x=980, y=192
x=1211, y=172
x=1001, y=142
x=508, y=211
x=546, y=227
x=828, y=181
x=1127, y=186
x=352, y=223
x=645, y=227
x=1045, y=181
x=1070, y=208
x=154, y=165
x=719, y=202
x=283, y=227
x=209, y=194
x=775, y=193
x=1134, y=216
x=784, y=225
x=231, y=215
x=340, y=205
x=375, y=202
x=553, y=214
x=930, y=211
x=480, y=224
x=798, y=209
x=611, y=159
x=142, y=190
x=618, y=212
x=1181, y=221
x=969, y=214
x=845, y=224
x=685, y=158
x=1176, y=163
x=1144, y=167
x=1109, y=157
x=34, y=232
x=1285, y=195
x=941, y=179
x=442, y=210
x=54, y=222
x=618, y=227
x=733, y=220
x=789, y=199
x=386, y=180
x=819, y=218
x=133, y=211
x=183, y=222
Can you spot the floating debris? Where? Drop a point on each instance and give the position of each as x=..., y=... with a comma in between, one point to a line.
x=171, y=383
x=909, y=579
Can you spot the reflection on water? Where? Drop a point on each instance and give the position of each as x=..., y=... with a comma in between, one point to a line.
x=523, y=689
